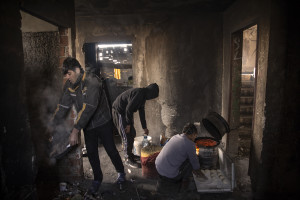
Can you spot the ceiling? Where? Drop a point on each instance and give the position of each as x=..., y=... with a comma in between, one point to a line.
x=121, y=7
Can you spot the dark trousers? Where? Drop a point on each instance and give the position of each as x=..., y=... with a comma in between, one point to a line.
x=185, y=170
x=104, y=133
x=167, y=185
x=127, y=138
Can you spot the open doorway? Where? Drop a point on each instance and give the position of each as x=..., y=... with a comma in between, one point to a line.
x=112, y=62
x=243, y=68
x=247, y=89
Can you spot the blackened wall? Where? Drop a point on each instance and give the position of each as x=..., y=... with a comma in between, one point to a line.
x=181, y=53
x=286, y=160
x=274, y=160
x=43, y=84
x=17, y=160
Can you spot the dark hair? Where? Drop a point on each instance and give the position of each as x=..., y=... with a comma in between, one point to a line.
x=189, y=129
x=70, y=64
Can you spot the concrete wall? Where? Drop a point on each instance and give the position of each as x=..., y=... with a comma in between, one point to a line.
x=181, y=54
x=17, y=150
x=272, y=73
x=33, y=24
x=17, y=162
x=56, y=12
x=239, y=16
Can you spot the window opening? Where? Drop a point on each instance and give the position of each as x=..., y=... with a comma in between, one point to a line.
x=116, y=63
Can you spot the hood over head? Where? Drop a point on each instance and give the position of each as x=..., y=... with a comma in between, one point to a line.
x=152, y=91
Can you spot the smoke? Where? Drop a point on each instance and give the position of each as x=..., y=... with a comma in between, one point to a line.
x=44, y=83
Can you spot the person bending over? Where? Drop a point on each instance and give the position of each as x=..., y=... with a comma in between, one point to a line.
x=124, y=106
x=85, y=92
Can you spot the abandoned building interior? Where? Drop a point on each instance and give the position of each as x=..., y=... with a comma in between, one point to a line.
x=237, y=58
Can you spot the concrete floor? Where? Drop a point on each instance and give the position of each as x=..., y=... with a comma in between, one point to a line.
x=138, y=187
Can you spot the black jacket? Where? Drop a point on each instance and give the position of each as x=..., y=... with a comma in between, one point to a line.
x=89, y=99
x=134, y=99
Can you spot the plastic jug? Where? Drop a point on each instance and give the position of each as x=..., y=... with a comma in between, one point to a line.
x=145, y=141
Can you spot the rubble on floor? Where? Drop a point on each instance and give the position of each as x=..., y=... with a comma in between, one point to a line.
x=137, y=187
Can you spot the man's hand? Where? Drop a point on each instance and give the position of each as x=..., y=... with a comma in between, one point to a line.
x=49, y=133
x=74, y=137
x=200, y=174
x=146, y=131
x=127, y=129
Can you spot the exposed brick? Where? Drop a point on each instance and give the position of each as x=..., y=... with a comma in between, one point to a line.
x=61, y=60
x=63, y=31
x=67, y=51
x=62, y=51
x=63, y=41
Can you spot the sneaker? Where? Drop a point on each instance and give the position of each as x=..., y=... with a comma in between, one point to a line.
x=132, y=163
x=121, y=178
x=93, y=190
x=136, y=158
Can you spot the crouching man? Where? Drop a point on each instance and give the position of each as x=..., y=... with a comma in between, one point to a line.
x=177, y=160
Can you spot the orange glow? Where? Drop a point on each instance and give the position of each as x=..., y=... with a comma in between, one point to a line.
x=117, y=73
x=206, y=143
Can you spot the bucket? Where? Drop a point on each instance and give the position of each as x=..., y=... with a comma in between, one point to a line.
x=216, y=125
x=137, y=144
x=148, y=157
x=207, y=151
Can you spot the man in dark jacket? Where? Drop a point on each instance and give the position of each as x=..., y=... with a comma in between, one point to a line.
x=85, y=92
x=123, y=108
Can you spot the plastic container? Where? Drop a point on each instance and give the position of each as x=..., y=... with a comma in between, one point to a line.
x=148, y=157
x=62, y=186
x=137, y=144
x=145, y=141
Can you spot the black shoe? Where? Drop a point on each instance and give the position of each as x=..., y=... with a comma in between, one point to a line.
x=136, y=158
x=121, y=180
x=132, y=163
x=92, y=192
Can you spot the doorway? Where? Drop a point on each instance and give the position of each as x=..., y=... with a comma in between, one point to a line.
x=247, y=90
x=243, y=76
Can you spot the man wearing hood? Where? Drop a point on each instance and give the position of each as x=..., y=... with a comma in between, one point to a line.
x=123, y=108
x=84, y=91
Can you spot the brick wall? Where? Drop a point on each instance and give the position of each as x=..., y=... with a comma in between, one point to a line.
x=63, y=45
x=70, y=168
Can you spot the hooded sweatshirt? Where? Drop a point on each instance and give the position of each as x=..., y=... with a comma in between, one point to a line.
x=134, y=99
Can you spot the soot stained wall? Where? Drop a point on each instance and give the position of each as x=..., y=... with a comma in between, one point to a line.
x=182, y=54
x=43, y=83
x=274, y=161
x=16, y=149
